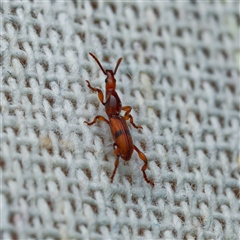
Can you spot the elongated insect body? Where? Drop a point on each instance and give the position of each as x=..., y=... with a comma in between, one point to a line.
x=123, y=144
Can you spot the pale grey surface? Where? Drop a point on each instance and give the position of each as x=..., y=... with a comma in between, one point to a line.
x=180, y=74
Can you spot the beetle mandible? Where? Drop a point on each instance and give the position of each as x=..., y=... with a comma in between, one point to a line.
x=123, y=144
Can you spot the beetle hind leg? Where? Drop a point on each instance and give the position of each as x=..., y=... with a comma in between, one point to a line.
x=144, y=167
x=116, y=164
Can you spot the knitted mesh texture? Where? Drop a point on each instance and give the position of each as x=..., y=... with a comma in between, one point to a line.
x=180, y=74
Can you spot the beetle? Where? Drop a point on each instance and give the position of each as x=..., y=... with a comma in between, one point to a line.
x=123, y=143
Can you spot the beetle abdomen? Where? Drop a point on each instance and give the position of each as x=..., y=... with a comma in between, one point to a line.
x=121, y=136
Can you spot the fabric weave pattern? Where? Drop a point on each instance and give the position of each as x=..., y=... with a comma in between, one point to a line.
x=180, y=73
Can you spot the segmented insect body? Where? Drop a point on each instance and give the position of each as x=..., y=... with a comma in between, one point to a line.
x=123, y=144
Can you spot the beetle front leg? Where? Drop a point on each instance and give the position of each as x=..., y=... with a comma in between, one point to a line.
x=100, y=118
x=100, y=93
x=127, y=116
x=144, y=167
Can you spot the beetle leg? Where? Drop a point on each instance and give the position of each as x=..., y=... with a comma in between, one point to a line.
x=127, y=116
x=101, y=118
x=100, y=93
x=144, y=167
x=116, y=164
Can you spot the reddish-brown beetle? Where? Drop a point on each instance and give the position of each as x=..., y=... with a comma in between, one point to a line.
x=123, y=144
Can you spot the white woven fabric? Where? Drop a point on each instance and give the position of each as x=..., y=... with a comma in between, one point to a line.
x=180, y=73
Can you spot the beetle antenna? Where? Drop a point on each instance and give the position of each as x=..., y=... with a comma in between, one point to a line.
x=99, y=64
x=118, y=63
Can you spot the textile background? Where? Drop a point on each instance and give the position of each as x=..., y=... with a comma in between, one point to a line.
x=180, y=73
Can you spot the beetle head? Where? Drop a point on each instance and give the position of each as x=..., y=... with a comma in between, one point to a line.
x=110, y=80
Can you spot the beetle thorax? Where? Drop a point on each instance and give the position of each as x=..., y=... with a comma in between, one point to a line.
x=113, y=103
